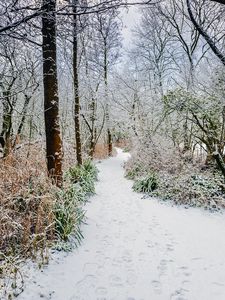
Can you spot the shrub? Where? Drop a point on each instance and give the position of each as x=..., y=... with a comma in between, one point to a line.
x=196, y=190
x=35, y=215
x=84, y=176
x=146, y=184
x=133, y=172
x=178, y=179
x=80, y=182
x=91, y=169
x=69, y=214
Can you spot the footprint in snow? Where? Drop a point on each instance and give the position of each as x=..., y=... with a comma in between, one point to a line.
x=187, y=274
x=162, y=267
x=169, y=247
x=87, y=282
x=149, y=244
x=183, y=268
x=157, y=286
x=101, y=291
x=131, y=278
x=127, y=257
x=115, y=280
x=179, y=294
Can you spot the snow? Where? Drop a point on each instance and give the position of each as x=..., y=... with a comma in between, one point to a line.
x=136, y=248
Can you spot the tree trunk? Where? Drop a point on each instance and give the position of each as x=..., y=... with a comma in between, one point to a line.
x=109, y=134
x=186, y=137
x=51, y=98
x=22, y=122
x=92, y=147
x=110, y=147
x=92, y=127
x=220, y=162
x=6, y=124
x=76, y=87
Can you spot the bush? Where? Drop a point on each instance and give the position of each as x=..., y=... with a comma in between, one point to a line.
x=133, y=171
x=69, y=214
x=198, y=190
x=26, y=215
x=80, y=182
x=84, y=176
x=36, y=215
x=175, y=178
x=146, y=184
x=91, y=169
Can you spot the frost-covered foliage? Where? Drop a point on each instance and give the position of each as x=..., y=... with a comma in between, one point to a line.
x=202, y=189
x=26, y=216
x=68, y=213
x=154, y=154
x=147, y=184
x=170, y=176
x=84, y=176
x=36, y=215
x=68, y=210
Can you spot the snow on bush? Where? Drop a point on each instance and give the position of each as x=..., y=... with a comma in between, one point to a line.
x=176, y=176
x=36, y=215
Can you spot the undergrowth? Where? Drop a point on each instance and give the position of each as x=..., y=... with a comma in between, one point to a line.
x=147, y=184
x=80, y=183
x=172, y=177
x=35, y=215
x=84, y=176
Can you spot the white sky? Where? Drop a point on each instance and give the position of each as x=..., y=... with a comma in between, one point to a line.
x=130, y=18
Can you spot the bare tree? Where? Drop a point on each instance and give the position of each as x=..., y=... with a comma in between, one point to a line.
x=107, y=27
x=200, y=28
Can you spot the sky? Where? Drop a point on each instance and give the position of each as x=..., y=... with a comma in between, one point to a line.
x=130, y=18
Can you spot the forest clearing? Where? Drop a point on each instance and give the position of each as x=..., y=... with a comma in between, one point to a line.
x=112, y=149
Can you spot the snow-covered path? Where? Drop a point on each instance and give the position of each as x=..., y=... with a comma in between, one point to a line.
x=137, y=249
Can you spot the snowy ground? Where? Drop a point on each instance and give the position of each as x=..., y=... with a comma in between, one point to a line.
x=137, y=249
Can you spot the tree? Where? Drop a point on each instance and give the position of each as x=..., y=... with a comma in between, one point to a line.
x=76, y=85
x=154, y=39
x=51, y=98
x=107, y=27
x=207, y=116
x=194, y=50
x=219, y=1
x=205, y=35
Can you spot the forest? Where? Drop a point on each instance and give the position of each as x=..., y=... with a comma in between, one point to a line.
x=124, y=98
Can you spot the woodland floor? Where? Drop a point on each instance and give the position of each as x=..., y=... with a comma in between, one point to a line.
x=136, y=248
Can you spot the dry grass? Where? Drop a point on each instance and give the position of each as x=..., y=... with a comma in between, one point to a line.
x=26, y=214
x=101, y=151
x=30, y=209
x=124, y=144
x=26, y=202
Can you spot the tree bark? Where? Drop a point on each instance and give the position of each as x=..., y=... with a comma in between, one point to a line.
x=6, y=124
x=51, y=98
x=22, y=122
x=109, y=134
x=220, y=162
x=92, y=127
x=76, y=87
